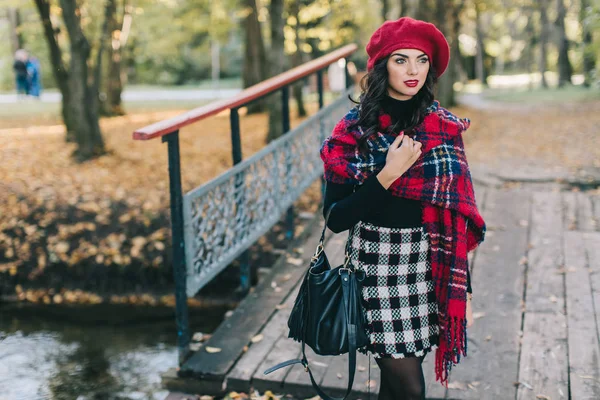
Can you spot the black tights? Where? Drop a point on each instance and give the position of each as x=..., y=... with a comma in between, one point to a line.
x=401, y=379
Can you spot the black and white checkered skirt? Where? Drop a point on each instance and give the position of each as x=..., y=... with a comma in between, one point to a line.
x=398, y=292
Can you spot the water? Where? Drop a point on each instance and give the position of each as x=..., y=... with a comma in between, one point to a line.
x=43, y=356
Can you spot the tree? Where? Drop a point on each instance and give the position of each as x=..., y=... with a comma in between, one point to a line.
x=385, y=9
x=79, y=97
x=543, y=42
x=255, y=59
x=118, y=19
x=565, y=70
x=277, y=62
x=480, y=55
x=297, y=58
x=402, y=8
x=448, y=21
x=16, y=37
x=589, y=55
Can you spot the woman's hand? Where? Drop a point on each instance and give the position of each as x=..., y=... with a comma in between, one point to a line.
x=470, y=319
x=402, y=154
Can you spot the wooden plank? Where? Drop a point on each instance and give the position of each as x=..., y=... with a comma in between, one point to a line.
x=543, y=359
x=593, y=250
x=335, y=380
x=285, y=348
x=585, y=213
x=596, y=208
x=251, y=315
x=570, y=210
x=435, y=390
x=239, y=378
x=491, y=367
x=297, y=381
x=584, y=350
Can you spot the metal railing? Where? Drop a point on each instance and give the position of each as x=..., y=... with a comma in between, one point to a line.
x=218, y=221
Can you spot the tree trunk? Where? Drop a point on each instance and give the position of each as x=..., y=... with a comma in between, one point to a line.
x=116, y=76
x=82, y=104
x=61, y=75
x=543, y=60
x=412, y=8
x=385, y=8
x=114, y=84
x=403, y=11
x=480, y=55
x=589, y=56
x=110, y=9
x=277, y=62
x=14, y=19
x=444, y=11
x=297, y=60
x=425, y=11
x=255, y=64
x=530, y=39
x=565, y=70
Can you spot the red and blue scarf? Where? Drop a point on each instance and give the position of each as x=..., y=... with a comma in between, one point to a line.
x=441, y=179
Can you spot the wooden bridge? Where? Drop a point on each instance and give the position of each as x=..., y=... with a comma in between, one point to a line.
x=536, y=278
x=536, y=282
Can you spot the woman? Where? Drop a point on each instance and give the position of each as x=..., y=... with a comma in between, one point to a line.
x=398, y=178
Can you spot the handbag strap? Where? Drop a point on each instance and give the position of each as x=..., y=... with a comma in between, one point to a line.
x=322, y=239
x=351, y=328
x=352, y=336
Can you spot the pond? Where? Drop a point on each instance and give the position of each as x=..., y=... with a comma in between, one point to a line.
x=89, y=354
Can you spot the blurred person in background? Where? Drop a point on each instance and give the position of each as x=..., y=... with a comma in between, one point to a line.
x=21, y=76
x=34, y=76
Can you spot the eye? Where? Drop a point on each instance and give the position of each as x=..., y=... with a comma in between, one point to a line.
x=423, y=60
x=400, y=60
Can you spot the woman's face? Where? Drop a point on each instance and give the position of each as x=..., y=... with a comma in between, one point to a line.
x=407, y=71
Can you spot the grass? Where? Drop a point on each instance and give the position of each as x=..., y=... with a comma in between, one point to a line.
x=539, y=95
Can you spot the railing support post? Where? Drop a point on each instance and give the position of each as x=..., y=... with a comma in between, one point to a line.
x=321, y=127
x=285, y=111
x=179, y=269
x=246, y=272
x=347, y=74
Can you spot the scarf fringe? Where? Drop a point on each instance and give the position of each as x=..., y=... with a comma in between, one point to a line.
x=453, y=344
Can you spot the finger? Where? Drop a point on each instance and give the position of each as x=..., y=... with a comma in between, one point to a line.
x=396, y=143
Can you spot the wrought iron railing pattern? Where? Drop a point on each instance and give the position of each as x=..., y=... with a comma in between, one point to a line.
x=223, y=217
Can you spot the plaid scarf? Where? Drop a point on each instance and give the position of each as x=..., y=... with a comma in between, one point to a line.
x=441, y=179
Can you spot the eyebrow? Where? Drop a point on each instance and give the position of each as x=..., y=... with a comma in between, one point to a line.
x=405, y=56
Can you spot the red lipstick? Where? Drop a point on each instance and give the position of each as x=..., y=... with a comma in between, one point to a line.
x=411, y=83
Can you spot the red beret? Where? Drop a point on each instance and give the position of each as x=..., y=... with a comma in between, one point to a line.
x=408, y=33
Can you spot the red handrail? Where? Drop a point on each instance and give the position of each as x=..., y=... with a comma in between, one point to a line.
x=166, y=126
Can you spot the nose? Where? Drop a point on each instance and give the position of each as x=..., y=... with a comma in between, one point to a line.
x=412, y=68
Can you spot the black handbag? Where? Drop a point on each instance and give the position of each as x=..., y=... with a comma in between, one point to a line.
x=327, y=313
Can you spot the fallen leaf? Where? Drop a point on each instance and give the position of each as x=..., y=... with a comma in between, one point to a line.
x=478, y=315
x=457, y=385
x=198, y=337
x=294, y=261
x=210, y=349
x=257, y=338
x=523, y=261
x=542, y=397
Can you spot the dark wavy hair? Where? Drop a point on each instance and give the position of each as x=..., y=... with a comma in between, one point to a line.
x=374, y=87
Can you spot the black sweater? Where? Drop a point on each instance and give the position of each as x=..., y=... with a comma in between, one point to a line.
x=371, y=202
